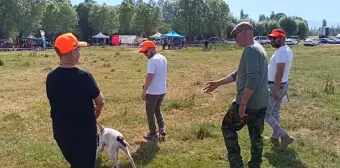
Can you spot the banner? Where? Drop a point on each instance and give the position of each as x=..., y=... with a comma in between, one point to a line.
x=43, y=38
x=115, y=40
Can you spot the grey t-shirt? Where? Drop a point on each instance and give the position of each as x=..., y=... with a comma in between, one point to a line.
x=252, y=73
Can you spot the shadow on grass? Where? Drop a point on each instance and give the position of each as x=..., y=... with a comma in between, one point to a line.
x=144, y=154
x=284, y=158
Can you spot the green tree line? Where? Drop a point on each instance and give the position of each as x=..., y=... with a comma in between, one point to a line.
x=205, y=18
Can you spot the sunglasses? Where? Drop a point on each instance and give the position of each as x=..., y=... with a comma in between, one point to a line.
x=238, y=32
x=146, y=51
x=235, y=34
x=273, y=38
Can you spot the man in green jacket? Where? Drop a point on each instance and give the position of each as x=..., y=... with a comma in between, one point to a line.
x=249, y=106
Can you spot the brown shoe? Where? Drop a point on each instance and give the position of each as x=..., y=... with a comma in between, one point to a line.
x=285, y=141
x=275, y=142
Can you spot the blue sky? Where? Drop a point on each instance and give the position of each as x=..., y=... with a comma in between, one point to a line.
x=313, y=11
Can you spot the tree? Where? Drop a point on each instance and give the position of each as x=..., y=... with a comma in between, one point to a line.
x=276, y=16
x=302, y=29
x=261, y=28
x=29, y=17
x=271, y=25
x=146, y=18
x=104, y=19
x=264, y=27
x=83, y=10
x=272, y=15
x=216, y=14
x=190, y=17
x=169, y=13
x=67, y=18
x=288, y=24
x=9, y=15
x=49, y=23
x=126, y=14
x=59, y=17
x=241, y=14
x=262, y=17
x=324, y=23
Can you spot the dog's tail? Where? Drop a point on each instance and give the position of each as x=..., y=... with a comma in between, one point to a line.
x=133, y=150
x=121, y=140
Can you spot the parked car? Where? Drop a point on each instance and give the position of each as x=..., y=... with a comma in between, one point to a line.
x=327, y=41
x=291, y=42
x=216, y=40
x=310, y=42
x=231, y=41
x=5, y=43
x=330, y=41
x=337, y=40
x=262, y=39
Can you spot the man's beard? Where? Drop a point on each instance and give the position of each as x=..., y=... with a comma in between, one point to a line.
x=275, y=45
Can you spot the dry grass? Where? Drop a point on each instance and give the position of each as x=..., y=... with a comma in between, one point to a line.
x=192, y=118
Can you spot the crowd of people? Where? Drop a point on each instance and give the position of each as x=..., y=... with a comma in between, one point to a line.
x=260, y=87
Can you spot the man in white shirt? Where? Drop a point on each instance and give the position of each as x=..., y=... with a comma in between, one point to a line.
x=278, y=75
x=154, y=88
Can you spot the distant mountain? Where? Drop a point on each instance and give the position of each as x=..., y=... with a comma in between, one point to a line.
x=316, y=24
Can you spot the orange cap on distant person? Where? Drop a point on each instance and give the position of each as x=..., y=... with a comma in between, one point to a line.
x=146, y=45
x=277, y=33
x=68, y=42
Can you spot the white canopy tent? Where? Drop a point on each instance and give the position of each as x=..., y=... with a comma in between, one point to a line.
x=156, y=36
x=100, y=35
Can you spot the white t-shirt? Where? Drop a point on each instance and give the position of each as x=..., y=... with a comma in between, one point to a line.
x=282, y=55
x=157, y=65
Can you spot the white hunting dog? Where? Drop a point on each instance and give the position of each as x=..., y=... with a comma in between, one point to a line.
x=114, y=140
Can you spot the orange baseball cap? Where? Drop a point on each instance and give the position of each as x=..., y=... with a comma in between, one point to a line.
x=146, y=45
x=277, y=33
x=68, y=42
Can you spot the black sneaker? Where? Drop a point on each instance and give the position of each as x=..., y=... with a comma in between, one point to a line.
x=150, y=137
x=162, y=132
x=285, y=141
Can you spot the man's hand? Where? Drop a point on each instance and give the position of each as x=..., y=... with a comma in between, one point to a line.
x=242, y=110
x=210, y=86
x=144, y=95
x=276, y=95
x=97, y=114
x=99, y=104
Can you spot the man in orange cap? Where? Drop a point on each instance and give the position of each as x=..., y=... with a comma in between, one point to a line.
x=278, y=74
x=71, y=92
x=154, y=88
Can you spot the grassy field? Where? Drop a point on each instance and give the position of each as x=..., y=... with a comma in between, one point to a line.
x=192, y=118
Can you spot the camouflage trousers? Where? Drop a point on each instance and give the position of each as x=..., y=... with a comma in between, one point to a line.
x=233, y=123
x=273, y=112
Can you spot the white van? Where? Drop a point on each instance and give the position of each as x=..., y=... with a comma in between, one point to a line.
x=262, y=39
